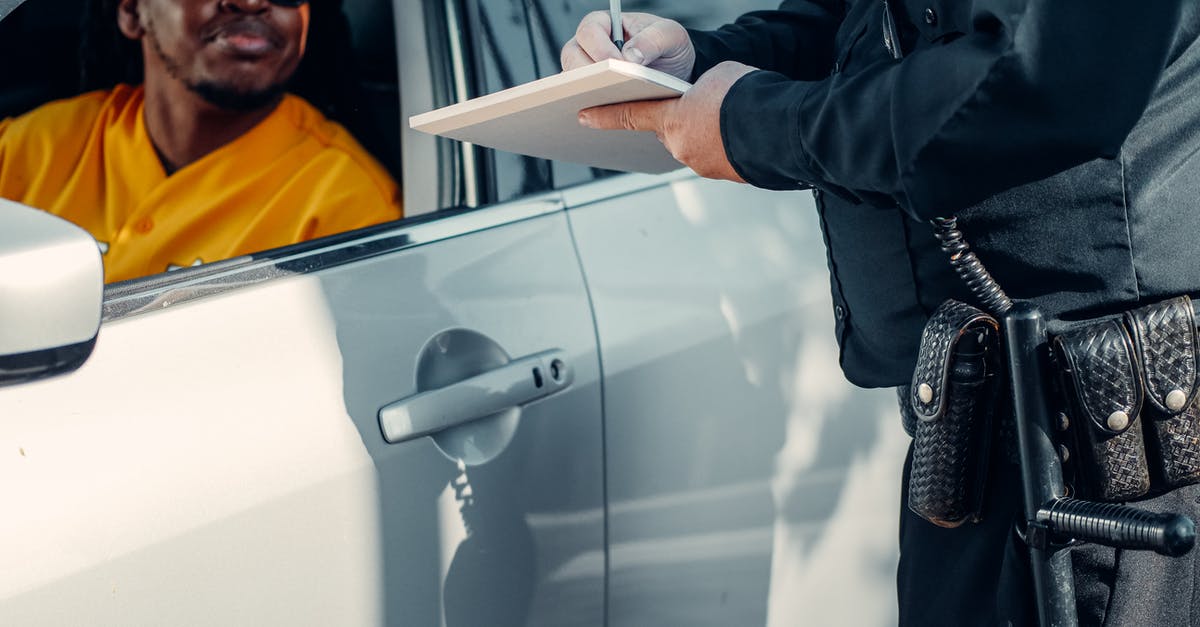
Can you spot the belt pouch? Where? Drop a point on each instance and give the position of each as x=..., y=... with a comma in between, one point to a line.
x=952, y=431
x=1104, y=388
x=1164, y=338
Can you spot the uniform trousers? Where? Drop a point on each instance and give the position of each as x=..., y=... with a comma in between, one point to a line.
x=978, y=573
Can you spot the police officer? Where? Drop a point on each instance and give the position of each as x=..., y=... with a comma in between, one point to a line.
x=1065, y=134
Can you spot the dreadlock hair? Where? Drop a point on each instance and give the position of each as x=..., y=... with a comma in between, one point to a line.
x=326, y=75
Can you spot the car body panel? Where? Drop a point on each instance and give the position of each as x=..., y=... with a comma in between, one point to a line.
x=742, y=467
x=220, y=461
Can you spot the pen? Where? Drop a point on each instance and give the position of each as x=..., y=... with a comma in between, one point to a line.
x=618, y=31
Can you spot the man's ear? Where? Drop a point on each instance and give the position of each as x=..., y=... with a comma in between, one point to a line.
x=128, y=20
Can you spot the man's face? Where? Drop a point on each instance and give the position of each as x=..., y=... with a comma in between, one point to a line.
x=237, y=54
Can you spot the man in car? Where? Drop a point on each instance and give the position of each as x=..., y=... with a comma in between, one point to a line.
x=209, y=157
x=1066, y=137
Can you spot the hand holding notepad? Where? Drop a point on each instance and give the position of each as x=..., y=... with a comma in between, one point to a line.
x=540, y=118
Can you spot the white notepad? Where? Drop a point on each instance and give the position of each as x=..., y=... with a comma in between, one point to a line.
x=540, y=118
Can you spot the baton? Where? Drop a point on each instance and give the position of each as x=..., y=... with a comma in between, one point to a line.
x=1052, y=521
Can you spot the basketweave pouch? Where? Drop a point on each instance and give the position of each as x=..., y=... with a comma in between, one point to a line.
x=949, y=411
x=1104, y=387
x=1164, y=341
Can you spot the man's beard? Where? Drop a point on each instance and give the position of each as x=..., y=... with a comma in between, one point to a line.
x=221, y=96
x=230, y=99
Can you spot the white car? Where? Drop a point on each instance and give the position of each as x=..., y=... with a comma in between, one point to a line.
x=548, y=396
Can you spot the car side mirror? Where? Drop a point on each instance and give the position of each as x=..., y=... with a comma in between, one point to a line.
x=51, y=294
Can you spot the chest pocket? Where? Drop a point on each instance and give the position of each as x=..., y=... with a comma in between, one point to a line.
x=916, y=23
x=859, y=41
x=939, y=19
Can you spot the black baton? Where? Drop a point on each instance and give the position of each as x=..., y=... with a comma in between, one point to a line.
x=1052, y=522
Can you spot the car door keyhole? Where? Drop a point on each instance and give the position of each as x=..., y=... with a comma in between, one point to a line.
x=557, y=369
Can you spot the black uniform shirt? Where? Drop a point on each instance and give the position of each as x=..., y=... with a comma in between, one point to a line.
x=1065, y=134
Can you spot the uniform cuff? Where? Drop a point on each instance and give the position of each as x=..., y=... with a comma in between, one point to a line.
x=760, y=130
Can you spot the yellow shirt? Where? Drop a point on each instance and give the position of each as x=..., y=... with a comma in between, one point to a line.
x=293, y=177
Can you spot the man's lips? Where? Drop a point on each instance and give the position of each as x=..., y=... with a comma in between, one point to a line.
x=247, y=37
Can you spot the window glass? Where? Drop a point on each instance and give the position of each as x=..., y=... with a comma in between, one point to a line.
x=554, y=22
x=502, y=48
x=156, y=203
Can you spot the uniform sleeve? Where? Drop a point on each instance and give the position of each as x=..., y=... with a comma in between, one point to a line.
x=1034, y=88
x=796, y=40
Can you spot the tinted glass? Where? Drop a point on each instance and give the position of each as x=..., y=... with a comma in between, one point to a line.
x=502, y=49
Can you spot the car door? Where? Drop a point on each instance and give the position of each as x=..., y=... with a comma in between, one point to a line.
x=399, y=425
x=748, y=483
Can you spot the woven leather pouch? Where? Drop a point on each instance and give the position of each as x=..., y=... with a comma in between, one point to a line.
x=950, y=399
x=1164, y=338
x=1103, y=383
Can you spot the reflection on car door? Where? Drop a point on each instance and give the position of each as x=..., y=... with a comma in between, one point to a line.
x=748, y=483
x=220, y=460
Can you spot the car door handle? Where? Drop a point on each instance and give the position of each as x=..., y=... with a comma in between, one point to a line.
x=516, y=383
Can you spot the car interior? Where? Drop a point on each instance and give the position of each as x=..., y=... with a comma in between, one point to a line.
x=350, y=69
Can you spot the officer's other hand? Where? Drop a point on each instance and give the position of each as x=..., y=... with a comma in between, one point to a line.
x=689, y=126
x=649, y=40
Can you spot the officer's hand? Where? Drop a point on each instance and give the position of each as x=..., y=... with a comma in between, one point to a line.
x=650, y=40
x=689, y=126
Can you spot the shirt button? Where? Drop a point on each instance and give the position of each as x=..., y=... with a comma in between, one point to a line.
x=930, y=16
x=143, y=226
x=839, y=312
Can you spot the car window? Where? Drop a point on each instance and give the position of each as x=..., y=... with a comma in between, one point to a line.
x=348, y=74
x=502, y=50
x=554, y=22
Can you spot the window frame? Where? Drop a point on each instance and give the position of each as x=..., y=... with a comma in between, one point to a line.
x=449, y=187
x=155, y=292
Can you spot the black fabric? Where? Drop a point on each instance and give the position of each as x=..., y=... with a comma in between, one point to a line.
x=973, y=575
x=798, y=42
x=1065, y=136
x=910, y=132
x=978, y=575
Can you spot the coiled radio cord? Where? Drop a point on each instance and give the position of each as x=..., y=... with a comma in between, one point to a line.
x=969, y=268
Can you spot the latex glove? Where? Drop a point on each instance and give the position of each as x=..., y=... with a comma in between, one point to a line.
x=650, y=40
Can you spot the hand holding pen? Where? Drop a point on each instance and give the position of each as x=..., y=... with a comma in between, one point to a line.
x=688, y=126
x=618, y=31
x=652, y=41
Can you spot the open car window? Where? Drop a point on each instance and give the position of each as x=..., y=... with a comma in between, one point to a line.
x=349, y=73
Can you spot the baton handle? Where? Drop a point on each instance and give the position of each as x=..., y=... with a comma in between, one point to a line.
x=1119, y=526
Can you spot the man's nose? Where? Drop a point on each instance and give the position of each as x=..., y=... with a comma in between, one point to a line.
x=245, y=6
